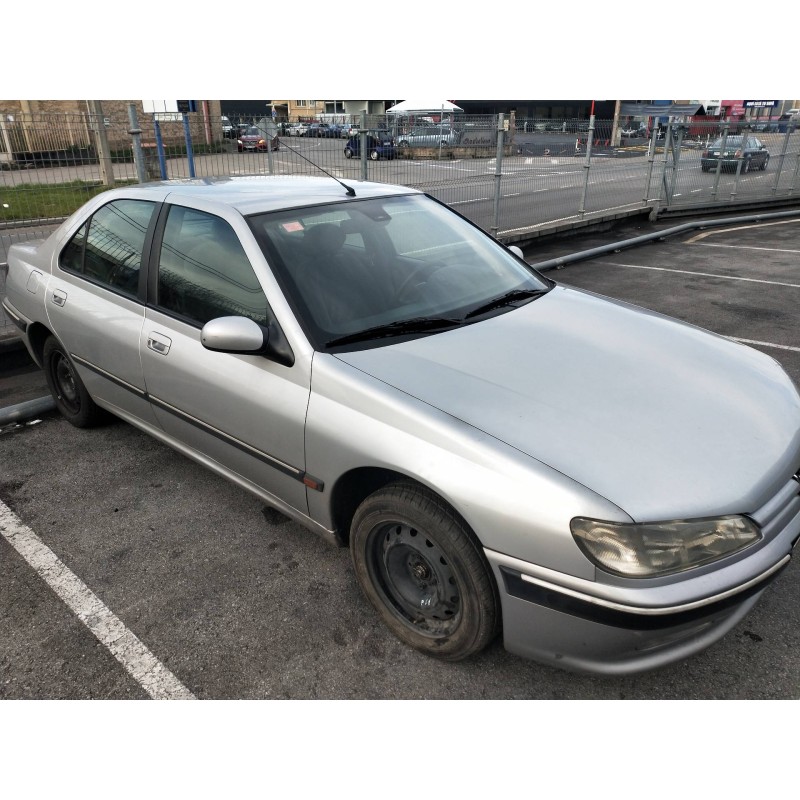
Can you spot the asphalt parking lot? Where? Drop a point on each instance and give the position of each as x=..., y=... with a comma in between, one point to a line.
x=235, y=602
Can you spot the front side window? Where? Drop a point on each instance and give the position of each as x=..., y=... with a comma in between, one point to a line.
x=108, y=249
x=203, y=271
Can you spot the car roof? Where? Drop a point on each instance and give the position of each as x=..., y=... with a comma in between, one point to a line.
x=257, y=194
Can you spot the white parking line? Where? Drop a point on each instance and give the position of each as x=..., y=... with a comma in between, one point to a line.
x=765, y=344
x=142, y=665
x=746, y=247
x=702, y=274
x=720, y=231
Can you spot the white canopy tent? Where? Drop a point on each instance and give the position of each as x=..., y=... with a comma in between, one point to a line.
x=424, y=107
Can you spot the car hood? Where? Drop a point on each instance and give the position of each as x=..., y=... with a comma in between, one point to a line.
x=660, y=417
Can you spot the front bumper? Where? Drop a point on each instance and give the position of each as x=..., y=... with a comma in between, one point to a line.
x=637, y=625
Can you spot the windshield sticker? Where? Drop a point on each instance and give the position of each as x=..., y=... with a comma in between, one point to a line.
x=292, y=227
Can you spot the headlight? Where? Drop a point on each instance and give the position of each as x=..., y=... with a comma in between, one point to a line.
x=646, y=550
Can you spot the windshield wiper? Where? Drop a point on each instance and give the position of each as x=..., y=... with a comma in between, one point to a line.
x=398, y=328
x=506, y=299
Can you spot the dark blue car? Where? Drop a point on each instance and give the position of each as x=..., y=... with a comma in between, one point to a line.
x=380, y=144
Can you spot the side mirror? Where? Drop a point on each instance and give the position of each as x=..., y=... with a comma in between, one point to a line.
x=233, y=335
x=246, y=337
x=516, y=251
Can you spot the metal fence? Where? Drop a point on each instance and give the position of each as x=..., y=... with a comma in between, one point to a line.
x=507, y=174
x=513, y=177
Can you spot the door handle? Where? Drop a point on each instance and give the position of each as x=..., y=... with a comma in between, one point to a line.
x=59, y=297
x=159, y=343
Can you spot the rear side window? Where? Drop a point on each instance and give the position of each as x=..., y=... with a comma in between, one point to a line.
x=203, y=271
x=108, y=249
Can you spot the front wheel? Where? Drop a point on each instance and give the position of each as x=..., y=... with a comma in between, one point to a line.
x=71, y=396
x=745, y=166
x=374, y=155
x=424, y=571
x=764, y=164
x=348, y=153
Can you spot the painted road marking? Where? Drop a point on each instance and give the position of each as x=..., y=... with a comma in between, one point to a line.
x=702, y=274
x=140, y=663
x=719, y=231
x=765, y=344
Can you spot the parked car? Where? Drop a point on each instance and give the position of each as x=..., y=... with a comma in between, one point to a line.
x=253, y=138
x=322, y=130
x=338, y=131
x=380, y=144
x=741, y=153
x=228, y=130
x=297, y=129
x=428, y=136
x=612, y=488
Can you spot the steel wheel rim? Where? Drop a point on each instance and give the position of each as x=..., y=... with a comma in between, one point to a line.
x=64, y=379
x=415, y=578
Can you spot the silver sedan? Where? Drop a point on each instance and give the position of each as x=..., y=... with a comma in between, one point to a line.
x=610, y=488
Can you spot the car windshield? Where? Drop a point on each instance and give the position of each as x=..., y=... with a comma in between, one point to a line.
x=252, y=131
x=731, y=141
x=369, y=264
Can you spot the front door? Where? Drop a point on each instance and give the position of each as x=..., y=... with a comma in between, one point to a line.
x=244, y=413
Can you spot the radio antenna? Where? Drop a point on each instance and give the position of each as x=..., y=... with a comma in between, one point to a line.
x=349, y=189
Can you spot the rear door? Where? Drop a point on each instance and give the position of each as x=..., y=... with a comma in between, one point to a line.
x=243, y=412
x=95, y=302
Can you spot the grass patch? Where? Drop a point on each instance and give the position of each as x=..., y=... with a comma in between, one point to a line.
x=47, y=201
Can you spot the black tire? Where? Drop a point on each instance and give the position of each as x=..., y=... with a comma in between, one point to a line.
x=348, y=153
x=72, y=398
x=374, y=155
x=745, y=166
x=424, y=571
x=764, y=164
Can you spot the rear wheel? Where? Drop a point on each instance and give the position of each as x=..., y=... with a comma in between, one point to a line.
x=424, y=571
x=72, y=398
x=374, y=155
x=348, y=153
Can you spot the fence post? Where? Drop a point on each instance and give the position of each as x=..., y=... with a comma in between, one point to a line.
x=651, y=159
x=362, y=144
x=103, y=152
x=162, y=161
x=498, y=175
x=587, y=165
x=136, y=135
x=718, y=170
x=187, y=135
x=674, y=141
x=781, y=158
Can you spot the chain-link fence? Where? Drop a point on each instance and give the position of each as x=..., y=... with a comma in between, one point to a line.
x=513, y=177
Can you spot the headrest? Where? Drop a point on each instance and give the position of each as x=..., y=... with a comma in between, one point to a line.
x=325, y=238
